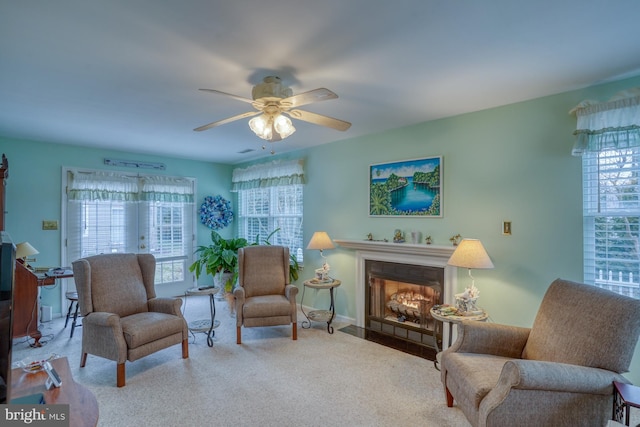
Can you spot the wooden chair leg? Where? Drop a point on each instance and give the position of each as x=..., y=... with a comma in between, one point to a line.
x=185, y=348
x=120, y=375
x=294, y=331
x=83, y=360
x=238, y=335
x=449, y=397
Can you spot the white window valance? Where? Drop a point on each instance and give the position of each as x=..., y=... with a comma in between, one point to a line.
x=116, y=186
x=614, y=124
x=271, y=174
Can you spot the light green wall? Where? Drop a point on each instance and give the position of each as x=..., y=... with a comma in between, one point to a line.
x=509, y=163
x=33, y=192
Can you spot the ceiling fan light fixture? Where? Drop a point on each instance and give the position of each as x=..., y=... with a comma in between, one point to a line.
x=261, y=126
x=283, y=126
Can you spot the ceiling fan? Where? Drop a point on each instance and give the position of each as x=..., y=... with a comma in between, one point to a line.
x=273, y=103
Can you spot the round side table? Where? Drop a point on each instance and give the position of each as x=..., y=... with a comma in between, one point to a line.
x=205, y=325
x=320, y=315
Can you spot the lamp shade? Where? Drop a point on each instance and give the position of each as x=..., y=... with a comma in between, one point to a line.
x=25, y=249
x=470, y=254
x=320, y=240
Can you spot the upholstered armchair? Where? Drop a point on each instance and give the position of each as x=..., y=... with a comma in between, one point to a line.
x=123, y=319
x=559, y=372
x=264, y=296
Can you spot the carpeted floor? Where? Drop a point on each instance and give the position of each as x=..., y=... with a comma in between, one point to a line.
x=269, y=380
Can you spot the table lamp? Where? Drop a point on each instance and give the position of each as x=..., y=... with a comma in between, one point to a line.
x=470, y=254
x=320, y=240
x=23, y=250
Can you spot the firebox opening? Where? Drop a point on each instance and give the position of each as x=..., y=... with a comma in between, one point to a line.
x=398, y=300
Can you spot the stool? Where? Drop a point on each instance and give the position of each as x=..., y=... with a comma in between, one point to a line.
x=73, y=298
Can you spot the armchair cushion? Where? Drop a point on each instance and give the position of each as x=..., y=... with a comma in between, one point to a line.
x=569, y=328
x=267, y=306
x=143, y=328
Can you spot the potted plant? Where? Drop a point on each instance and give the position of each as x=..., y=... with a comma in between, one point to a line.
x=219, y=259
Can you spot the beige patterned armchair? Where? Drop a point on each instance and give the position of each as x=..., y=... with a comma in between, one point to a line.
x=264, y=296
x=558, y=373
x=123, y=319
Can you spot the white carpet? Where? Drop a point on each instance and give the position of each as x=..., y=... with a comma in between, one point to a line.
x=269, y=380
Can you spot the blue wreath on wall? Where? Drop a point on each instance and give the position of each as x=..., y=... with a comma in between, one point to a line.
x=216, y=212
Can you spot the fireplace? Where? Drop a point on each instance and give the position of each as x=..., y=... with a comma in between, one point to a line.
x=396, y=286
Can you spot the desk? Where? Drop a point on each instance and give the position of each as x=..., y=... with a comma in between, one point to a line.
x=451, y=320
x=27, y=285
x=205, y=325
x=320, y=315
x=83, y=406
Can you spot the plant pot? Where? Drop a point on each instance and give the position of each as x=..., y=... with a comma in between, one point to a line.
x=220, y=280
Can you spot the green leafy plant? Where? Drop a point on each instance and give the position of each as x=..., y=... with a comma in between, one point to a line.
x=220, y=256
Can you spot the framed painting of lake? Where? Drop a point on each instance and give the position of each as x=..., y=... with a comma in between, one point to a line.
x=406, y=188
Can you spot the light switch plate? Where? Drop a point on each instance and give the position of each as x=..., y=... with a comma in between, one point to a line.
x=506, y=228
x=50, y=225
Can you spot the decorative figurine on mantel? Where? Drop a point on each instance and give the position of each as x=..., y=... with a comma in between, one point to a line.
x=455, y=239
x=428, y=240
x=371, y=239
x=398, y=237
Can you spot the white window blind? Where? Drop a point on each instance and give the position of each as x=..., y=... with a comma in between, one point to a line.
x=612, y=220
x=270, y=197
x=263, y=210
x=113, y=212
x=609, y=143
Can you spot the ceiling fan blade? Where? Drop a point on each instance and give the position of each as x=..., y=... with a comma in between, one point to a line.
x=228, y=120
x=316, y=95
x=239, y=98
x=318, y=119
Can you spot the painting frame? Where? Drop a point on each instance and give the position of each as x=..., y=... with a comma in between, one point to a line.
x=406, y=198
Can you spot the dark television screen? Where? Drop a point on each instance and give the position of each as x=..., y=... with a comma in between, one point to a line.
x=7, y=272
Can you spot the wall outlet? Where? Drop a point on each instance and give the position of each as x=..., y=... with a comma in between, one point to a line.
x=50, y=225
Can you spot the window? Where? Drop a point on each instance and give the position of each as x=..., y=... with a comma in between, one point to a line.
x=270, y=197
x=112, y=212
x=609, y=143
x=612, y=220
x=263, y=210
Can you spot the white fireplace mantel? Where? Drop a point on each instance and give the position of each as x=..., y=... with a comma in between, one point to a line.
x=402, y=253
x=434, y=251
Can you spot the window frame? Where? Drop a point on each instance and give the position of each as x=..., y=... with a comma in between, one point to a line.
x=163, y=288
x=274, y=219
x=611, y=197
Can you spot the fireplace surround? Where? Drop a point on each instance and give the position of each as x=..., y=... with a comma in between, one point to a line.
x=396, y=285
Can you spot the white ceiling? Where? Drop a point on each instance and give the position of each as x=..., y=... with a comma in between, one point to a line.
x=124, y=74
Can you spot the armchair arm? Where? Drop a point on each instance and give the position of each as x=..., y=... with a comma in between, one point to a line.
x=103, y=319
x=166, y=305
x=290, y=291
x=490, y=338
x=103, y=336
x=544, y=388
x=238, y=293
x=552, y=376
